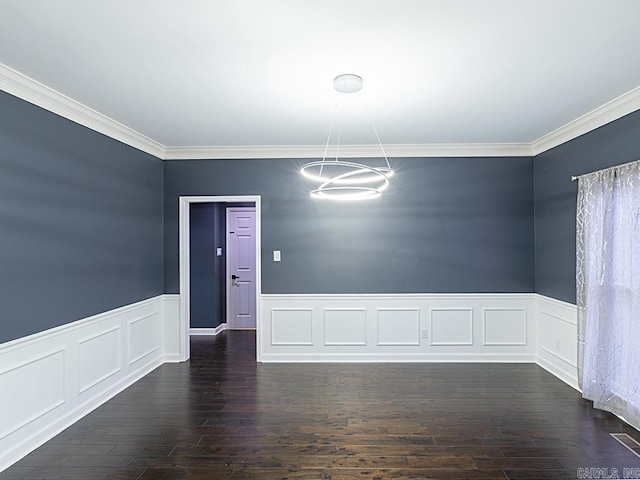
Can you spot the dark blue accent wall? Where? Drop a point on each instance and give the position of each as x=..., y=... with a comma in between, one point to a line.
x=555, y=198
x=80, y=221
x=207, y=270
x=462, y=225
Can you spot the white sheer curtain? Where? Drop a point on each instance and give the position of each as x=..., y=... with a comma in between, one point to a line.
x=608, y=289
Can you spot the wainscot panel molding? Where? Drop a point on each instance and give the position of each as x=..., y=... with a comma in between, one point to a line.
x=51, y=379
x=557, y=338
x=398, y=328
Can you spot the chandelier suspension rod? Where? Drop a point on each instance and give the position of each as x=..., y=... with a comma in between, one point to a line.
x=333, y=121
x=375, y=130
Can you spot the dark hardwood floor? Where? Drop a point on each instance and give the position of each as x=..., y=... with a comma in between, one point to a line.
x=223, y=416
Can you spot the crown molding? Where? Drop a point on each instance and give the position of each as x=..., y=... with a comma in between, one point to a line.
x=232, y=152
x=617, y=108
x=460, y=150
x=350, y=151
x=32, y=91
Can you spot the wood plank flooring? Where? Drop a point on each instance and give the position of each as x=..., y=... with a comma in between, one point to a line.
x=222, y=416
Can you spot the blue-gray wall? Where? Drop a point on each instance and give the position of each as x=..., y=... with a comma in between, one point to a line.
x=207, y=270
x=462, y=225
x=80, y=221
x=555, y=198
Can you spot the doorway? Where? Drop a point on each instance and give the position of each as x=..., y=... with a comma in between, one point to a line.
x=185, y=257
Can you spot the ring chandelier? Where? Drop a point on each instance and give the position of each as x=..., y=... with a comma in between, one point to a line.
x=343, y=180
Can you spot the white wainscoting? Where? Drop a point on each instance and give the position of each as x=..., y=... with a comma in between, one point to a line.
x=52, y=379
x=398, y=328
x=172, y=331
x=557, y=338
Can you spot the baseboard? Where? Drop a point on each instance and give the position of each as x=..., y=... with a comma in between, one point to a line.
x=208, y=331
x=402, y=358
x=58, y=376
x=567, y=376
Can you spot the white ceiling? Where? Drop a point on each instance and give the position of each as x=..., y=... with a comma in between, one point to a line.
x=213, y=73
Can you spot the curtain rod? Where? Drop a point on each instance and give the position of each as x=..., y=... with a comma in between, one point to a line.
x=576, y=177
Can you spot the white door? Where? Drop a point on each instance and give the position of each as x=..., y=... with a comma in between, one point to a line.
x=241, y=267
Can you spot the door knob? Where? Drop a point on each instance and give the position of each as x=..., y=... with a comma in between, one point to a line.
x=234, y=277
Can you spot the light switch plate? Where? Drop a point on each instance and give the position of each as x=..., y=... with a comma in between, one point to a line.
x=276, y=255
x=218, y=252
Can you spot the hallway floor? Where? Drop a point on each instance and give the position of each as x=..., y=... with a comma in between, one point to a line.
x=223, y=416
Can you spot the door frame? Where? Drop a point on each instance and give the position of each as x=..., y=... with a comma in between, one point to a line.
x=228, y=284
x=185, y=255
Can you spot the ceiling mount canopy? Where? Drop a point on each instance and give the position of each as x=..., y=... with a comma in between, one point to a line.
x=340, y=179
x=347, y=83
